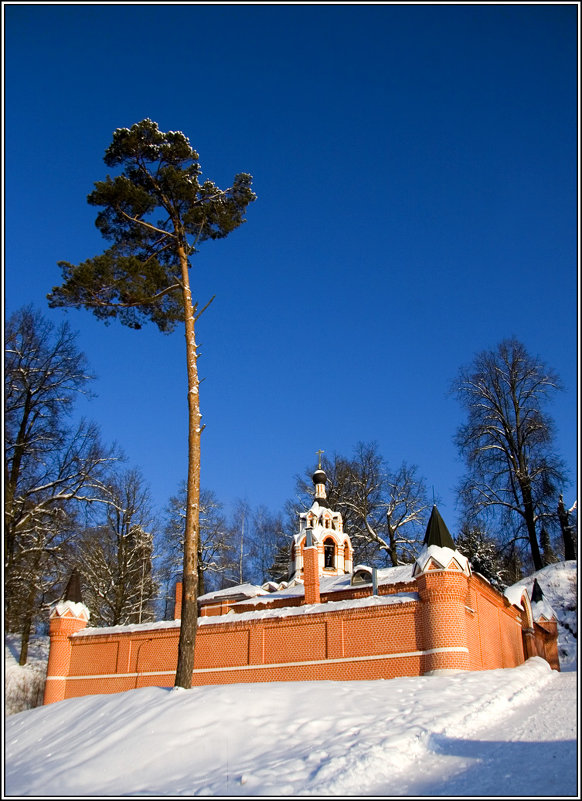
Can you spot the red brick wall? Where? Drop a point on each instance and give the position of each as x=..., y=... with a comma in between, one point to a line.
x=288, y=648
x=458, y=623
x=495, y=633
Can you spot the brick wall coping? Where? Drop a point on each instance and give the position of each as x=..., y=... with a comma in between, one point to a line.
x=328, y=589
x=285, y=611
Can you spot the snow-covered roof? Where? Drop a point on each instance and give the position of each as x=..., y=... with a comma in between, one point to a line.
x=246, y=590
x=76, y=608
x=310, y=609
x=330, y=584
x=514, y=594
x=540, y=609
x=442, y=556
x=265, y=612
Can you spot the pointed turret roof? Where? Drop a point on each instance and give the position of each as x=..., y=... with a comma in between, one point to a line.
x=437, y=533
x=73, y=591
x=536, y=592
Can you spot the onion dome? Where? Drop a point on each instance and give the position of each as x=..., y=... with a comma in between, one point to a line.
x=319, y=477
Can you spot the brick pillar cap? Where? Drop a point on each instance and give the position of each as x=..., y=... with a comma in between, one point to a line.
x=435, y=557
x=70, y=609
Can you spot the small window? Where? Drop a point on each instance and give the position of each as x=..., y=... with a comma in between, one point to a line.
x=362, y=575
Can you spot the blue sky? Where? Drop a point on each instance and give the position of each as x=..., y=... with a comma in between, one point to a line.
x=416, y=174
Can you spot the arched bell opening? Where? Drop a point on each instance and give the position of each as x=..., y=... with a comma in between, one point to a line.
x=329, y=553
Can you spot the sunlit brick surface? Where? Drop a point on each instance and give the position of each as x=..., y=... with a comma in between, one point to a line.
x=458, y=622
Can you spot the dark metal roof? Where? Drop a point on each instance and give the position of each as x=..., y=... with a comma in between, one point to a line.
x=73, y=591
x=437, y=533
x=319, y=477
x=536, y=592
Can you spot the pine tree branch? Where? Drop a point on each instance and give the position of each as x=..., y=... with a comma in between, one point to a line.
x=201, y=312
x=145, y=224
x=144, y=302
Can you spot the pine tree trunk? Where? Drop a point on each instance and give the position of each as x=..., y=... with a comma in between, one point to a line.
x=189, y=614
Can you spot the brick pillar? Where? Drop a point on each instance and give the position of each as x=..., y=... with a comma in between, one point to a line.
x=529, y=643
x=443, y=595
x=548, y=642
x=65, y=620
x=311, y=575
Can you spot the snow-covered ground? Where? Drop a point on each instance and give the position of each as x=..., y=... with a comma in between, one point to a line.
x=503, y=732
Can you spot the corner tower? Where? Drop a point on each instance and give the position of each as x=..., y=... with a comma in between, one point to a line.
x=322, y=529
x=442, y=575
x=66, y=617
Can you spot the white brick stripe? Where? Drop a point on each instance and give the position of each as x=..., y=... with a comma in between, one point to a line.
x=344, y=660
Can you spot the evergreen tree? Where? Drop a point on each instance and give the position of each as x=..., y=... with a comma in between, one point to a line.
x=548, y=553
x=156, y=213
x=483, y=552
x=279, y=569
x=513, y=564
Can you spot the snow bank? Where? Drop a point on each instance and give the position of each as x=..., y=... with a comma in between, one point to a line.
x=489, y=733
x=285, y=738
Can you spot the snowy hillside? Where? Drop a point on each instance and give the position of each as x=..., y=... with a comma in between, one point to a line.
x=559, y=586
x=502, y=732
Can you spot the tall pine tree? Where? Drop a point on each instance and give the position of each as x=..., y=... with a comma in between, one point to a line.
x=155, y=213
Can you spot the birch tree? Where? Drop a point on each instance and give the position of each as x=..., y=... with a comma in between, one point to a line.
x=156, y=212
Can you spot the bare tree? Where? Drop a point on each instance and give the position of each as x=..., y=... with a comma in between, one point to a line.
x=44, y=517
x=266, y=538
x=507, y=441
x=384, y=511
x=215, y=554
x=114, y=556
x=43, y=372
x=51, y=468
x=240, y=528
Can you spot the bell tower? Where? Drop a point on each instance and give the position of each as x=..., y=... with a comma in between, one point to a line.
x=321, y=528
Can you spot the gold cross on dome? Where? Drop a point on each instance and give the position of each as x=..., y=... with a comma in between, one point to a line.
x=319, y=453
